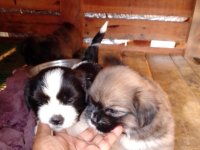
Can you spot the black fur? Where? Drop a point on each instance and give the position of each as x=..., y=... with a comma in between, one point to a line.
x=91, y=53
x=37, y=50
x=71, y=92
x=100, y=117
x=74, y=86
x=64, y=43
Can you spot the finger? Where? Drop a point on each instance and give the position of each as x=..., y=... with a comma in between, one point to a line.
x=43, y=129
x=117, y=131
x=110, y=138
x=97, y=139
x=61, y=131
x=87, y=135
x=63, y=135
x=114, y=134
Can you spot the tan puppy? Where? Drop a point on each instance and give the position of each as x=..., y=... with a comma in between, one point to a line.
x=120, y=96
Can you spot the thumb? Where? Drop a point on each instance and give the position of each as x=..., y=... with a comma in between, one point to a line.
x=43, y=130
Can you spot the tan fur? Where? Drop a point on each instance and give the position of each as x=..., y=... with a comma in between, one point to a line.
x=116, y=87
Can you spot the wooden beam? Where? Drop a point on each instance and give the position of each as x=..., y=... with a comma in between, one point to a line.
x=70, y=12
x=161, y=7
x=193, y=46
x=108, y=52
x=137, y=61
x=31, y=4
x=138, y=29
x=25, y=18
x=35, y=29
x=165, y=51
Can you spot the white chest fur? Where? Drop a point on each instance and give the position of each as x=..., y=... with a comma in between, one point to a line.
x=164, y=143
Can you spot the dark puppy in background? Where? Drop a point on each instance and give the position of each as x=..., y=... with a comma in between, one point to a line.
x=64, y=43
x=57, y=94
x=120, y=96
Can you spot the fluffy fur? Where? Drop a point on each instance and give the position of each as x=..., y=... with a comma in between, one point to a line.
x=57, y=94
x=64, y=43
x=120, y=96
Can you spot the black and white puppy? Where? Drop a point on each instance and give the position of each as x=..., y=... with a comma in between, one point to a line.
x=57, y=94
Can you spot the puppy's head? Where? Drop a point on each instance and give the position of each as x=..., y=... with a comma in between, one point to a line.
x=120, y=96
x=56, y=96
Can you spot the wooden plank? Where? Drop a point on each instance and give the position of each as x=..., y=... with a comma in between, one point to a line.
x=161, y=7
x=137, y=61
x=193, y=46
x=185, y=106
x=166, y=51
x=195, y=66
x=31, y=4
x=70, y=12
x=191, y=78
x=138, y=29
x=108, y=52
x=35, y=29
x=7, y=3
x=25, y=18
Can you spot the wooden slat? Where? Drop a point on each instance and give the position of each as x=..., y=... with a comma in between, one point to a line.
x=185, y=106
x=70, y=12
x=151, y=50
x=41, y=29
x=161, y=7
x=193, y=46
x=7, y=3
x=139, y=29
x=108, y=52
x=137, y=61
x=31, y=4
x=191, y=78
x=194, y=66
x=24, y=18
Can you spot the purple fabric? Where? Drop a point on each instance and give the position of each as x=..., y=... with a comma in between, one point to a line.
x=16, y=121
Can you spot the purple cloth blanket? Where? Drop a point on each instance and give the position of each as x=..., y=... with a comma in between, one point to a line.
x=16, y=121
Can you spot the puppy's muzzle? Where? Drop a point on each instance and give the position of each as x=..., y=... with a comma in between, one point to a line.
x=57, y=120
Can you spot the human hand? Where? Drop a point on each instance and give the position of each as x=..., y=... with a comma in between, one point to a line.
x=87, y=140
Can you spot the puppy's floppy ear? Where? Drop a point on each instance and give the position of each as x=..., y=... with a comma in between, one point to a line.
x=145, y=107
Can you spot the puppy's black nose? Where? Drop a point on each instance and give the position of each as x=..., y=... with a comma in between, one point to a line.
x=57, y=120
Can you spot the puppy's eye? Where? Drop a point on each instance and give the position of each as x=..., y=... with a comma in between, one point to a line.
x=114, y=113
x=72, y=99
x=110, y=110
x=68, y=99
x=65, y=99
x=41, y=98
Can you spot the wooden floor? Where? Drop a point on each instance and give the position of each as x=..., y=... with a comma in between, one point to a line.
x=180, y=78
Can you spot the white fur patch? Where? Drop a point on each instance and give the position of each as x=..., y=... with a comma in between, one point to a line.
x=52, y=81
x=132, y=144
x=47, y=111
x=52, y=84
x=104, y=27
